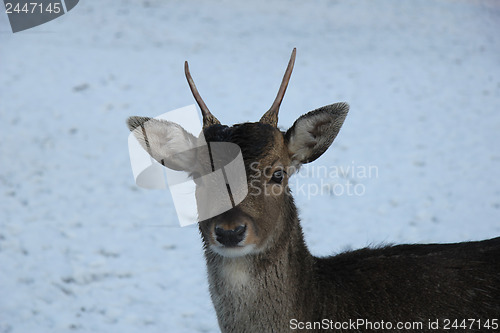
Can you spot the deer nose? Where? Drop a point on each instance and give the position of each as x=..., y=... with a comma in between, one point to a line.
x=231, y=237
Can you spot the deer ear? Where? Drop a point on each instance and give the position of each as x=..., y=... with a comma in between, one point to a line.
x=312, y=134
x=165, y=141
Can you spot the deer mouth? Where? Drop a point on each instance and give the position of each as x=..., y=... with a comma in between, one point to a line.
x=233, y=252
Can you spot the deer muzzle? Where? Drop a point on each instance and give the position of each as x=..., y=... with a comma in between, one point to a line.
x=230, y=237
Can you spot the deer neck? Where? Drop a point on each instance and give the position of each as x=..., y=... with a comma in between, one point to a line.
x=263, y=291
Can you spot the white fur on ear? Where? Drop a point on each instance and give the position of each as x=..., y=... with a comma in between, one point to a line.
x=165, y=141
x=312, y=134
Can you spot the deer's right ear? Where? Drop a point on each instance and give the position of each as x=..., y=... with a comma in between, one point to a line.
x=312, y=134
x=165, y=141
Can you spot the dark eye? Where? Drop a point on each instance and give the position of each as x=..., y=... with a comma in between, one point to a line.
x=277, y=176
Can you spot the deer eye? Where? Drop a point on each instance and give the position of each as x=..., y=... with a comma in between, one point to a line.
x=277, y=176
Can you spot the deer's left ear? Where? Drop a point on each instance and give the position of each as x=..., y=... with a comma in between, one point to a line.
x=312, y=134
x=165, y=141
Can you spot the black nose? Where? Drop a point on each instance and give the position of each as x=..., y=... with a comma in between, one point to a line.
x=231, y=237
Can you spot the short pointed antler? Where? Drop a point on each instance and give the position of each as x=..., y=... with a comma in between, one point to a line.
x=271, y=116
x=208, y=118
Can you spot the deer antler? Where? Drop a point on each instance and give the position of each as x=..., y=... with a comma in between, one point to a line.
x=271, y=116
x=208, y=118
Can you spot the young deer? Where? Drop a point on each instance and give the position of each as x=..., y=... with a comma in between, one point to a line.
x=261, y=274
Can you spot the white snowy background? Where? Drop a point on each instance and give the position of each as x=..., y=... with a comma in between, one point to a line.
x=83, y=249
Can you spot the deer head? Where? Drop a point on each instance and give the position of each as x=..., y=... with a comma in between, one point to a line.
x=270, y=155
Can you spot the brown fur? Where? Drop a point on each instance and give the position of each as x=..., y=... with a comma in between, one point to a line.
x=266, y=279
x=263, y=291
x=276, y=279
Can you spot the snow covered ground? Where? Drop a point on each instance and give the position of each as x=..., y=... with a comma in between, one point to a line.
x=83, y=249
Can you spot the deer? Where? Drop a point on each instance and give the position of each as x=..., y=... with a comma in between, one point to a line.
x=262, y=276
